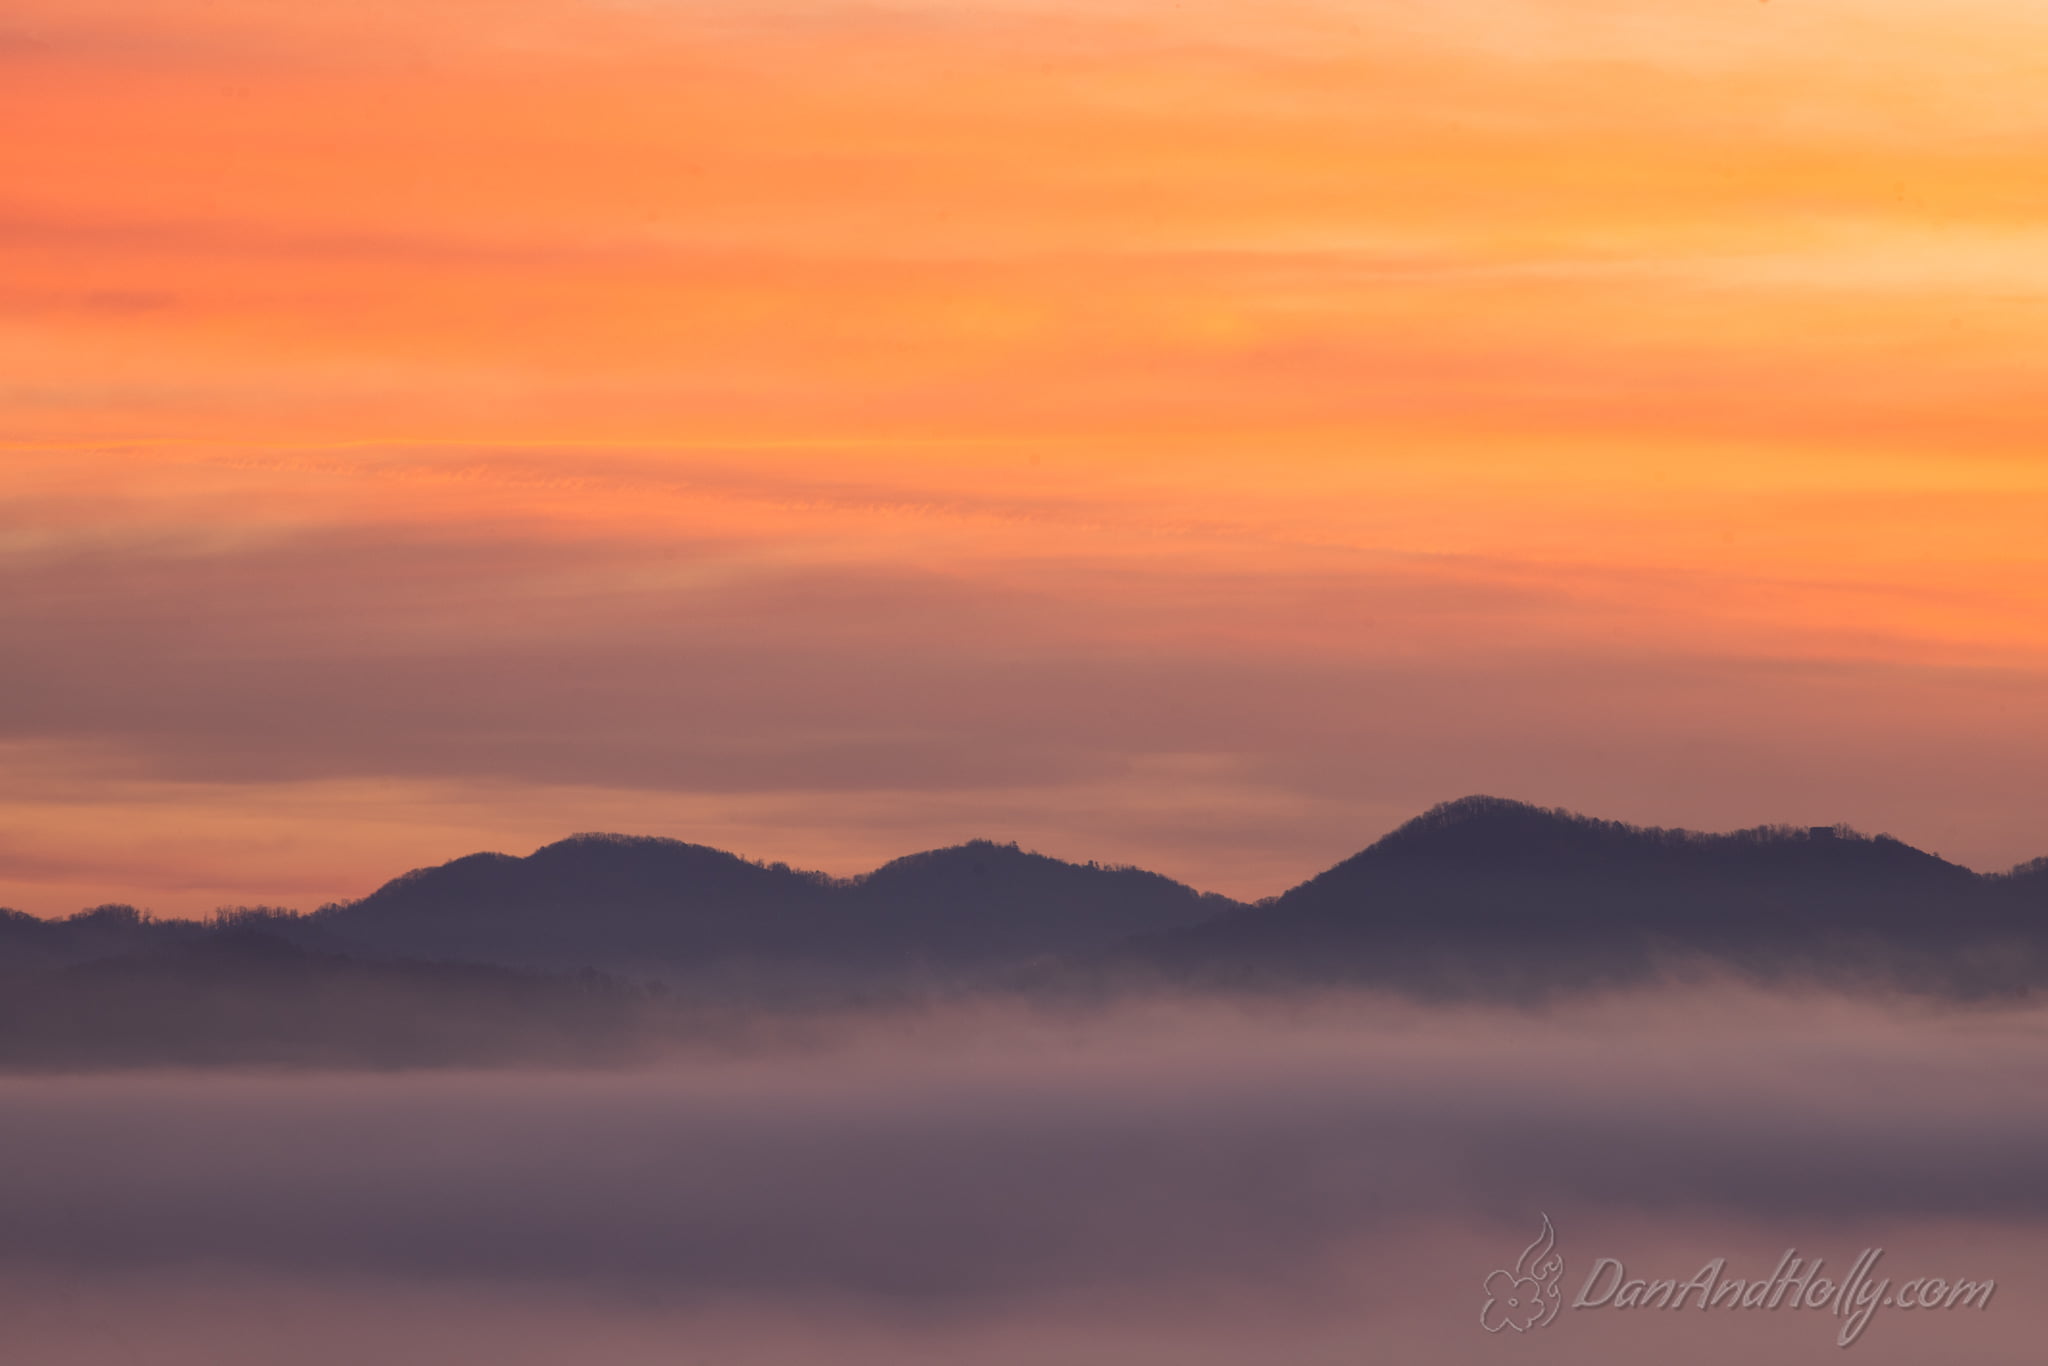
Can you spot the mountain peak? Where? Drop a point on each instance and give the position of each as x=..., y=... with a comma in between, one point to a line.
x=1496, y=835
x=1480, y=813
x=977, y=856
x=1483, y=832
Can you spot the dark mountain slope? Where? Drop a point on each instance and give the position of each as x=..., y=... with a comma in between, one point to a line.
x=983, y=902
x=241, y=996
x=2028, y=883
x=30, y=944
x=1488, y=895
x=661, y=907
x=595, y=901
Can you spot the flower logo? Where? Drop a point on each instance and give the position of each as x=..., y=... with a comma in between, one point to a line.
x=1525, y=1297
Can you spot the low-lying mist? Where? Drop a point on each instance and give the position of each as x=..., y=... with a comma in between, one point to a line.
x=1172, y=1180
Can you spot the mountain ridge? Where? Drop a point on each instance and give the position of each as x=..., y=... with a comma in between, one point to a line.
x=658, y=907
x=1481, y=894
x=1485, y=893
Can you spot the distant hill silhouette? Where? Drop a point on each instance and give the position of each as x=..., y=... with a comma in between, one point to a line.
x=1489, y=896
x=29, y=944
x=240, y=996
x=2030, y=880
x=684, y=912
x=593, y=946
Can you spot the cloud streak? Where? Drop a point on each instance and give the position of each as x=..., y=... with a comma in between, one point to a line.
x=799, y=421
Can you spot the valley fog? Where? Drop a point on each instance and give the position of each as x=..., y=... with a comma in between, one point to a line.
x=1326, y=1180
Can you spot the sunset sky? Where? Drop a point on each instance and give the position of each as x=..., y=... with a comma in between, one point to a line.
x=1195, y=434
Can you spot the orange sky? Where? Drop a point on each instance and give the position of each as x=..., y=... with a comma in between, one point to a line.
x=1194, y=434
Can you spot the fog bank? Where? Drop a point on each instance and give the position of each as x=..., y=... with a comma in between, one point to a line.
x=1155, y=1183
